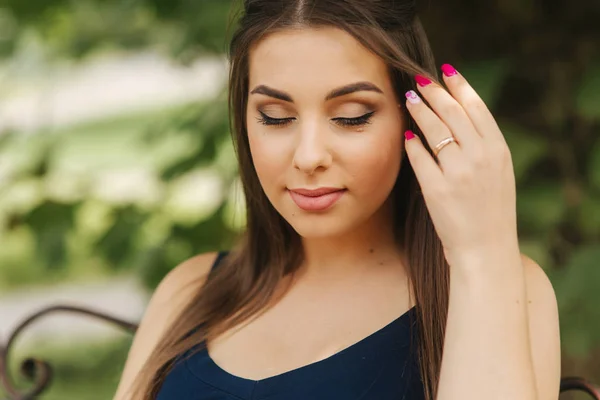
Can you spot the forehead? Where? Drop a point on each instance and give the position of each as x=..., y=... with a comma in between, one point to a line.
x=313, y=59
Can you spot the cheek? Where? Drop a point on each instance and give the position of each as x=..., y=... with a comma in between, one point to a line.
x=269, y=160
x=375, y=167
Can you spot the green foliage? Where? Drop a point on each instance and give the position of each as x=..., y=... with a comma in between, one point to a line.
x=594, y=166
x=578, y=295
x=118, y=242
x=588, y=101
x=526, y=149
x=85, y=230
x=540, y=207
x=487, y=76
x=50, y=223
x=76, y=28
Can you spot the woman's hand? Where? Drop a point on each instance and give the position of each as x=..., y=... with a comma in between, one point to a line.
x=470, y=191
x=470, y=195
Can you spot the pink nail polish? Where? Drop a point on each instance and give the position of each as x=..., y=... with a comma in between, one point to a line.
x=449, y=70
x=412, y=97
x=422, y=81
x=409, y=135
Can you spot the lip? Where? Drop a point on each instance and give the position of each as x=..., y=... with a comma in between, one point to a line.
x=316, y=199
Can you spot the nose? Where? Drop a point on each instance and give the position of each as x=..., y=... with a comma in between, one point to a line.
x=312, y=152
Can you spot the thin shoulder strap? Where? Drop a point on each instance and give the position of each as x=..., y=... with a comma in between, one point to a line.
x=220, y=256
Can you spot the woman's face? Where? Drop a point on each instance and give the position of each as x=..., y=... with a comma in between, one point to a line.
x=322, y=114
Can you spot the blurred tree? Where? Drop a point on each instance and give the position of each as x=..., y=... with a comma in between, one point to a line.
x=74, y=28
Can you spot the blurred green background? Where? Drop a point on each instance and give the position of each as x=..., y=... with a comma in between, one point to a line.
x=116, y=162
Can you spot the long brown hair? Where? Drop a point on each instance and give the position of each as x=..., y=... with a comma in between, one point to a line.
x=244, y=285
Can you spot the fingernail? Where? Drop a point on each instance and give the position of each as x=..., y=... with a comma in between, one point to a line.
x=412, y=97
x=422, y=81
x=409, y=135
x=449, y=70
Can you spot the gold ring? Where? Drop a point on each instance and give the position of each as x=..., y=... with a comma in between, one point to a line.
x=442, y=144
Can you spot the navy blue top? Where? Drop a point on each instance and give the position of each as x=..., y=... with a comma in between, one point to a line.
x=381, y=366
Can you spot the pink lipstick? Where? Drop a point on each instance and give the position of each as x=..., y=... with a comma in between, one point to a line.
x=316, y=199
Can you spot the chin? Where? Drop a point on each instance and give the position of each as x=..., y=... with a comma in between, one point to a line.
x=318, y=230
x=328, y=224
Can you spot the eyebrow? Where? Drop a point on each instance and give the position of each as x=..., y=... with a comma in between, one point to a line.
x=337, y=92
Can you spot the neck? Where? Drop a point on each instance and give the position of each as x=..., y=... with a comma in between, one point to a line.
x=367, y=248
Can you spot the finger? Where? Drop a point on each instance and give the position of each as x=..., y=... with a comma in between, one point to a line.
x=427, y=171
x=474, y=106
x=450, y=111
x=433, y=128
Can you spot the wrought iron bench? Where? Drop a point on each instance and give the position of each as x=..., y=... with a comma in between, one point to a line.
x=39, y=372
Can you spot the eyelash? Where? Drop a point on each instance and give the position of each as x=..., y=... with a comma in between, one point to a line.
x=346, y=122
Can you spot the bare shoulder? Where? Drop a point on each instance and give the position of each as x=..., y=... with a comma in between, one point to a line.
x=540, y=293
x=543, y=328
x=183, y=280
x=176, y=289
x=169, y=298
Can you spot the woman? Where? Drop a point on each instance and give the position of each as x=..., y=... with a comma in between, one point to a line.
x=381, y=258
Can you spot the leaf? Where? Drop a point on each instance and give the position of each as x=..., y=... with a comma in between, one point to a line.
x=117, y=244
x=153, y=266
x=576, y=340
x=6, y=136
x=183, y=242
x=486, y=77
x=50, y=223
x=578, y=297
x=540, y=207
x=210, y=125
x=538, y=250
x=525, y=147
x=180, y=167
x=587, y=102
x=209, y=234
x=589, y=215
x=594, y=166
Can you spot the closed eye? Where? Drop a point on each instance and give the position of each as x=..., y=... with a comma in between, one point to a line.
x=346, y=122
x=266, y=120
x=358, y=121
